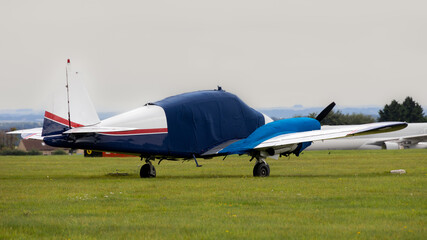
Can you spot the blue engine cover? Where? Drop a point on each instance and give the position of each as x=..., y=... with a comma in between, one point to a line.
x=271, y=130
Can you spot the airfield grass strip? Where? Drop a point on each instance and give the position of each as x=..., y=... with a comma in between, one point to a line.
x=319, y=195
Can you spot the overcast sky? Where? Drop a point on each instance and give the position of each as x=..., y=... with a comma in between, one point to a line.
x=270, y=53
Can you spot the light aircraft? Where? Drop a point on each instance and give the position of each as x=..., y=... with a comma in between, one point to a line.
x=413, y=136
x=200, y=124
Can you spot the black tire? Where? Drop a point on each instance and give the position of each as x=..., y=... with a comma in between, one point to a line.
x=147, y=171
x=255, y=171
x=261, y=170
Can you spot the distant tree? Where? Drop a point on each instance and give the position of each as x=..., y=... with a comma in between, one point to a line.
x=334, y=118
x=339, y=118
x=409, y=111
x=7, y=141
x=358, y=118
x=392, y=112
x=412, y=111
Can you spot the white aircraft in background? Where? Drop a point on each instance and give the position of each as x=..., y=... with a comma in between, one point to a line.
x=413, y=136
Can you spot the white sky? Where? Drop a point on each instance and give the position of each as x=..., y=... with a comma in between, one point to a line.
x=270, y=53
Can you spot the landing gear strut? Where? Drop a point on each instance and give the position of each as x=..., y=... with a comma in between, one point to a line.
x=147, y=170
x=261, y=168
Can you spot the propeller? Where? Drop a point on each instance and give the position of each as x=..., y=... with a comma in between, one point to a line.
x=325, y=112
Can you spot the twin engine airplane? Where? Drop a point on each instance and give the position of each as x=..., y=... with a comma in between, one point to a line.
x=200, y=124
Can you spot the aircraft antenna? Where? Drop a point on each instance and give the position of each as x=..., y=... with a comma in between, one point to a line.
x=68, y=94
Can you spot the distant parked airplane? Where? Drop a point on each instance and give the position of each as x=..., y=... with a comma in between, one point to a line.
x=188, y=126
x=413, y=136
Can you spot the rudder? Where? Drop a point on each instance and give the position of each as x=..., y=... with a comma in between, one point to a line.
x=72, y=107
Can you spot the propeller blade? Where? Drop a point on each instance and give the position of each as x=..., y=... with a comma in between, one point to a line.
x=325, y=112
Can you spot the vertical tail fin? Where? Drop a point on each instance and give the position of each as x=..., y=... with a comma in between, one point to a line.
x=71, y=108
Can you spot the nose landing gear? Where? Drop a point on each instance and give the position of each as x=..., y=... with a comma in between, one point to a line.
x=261, y=168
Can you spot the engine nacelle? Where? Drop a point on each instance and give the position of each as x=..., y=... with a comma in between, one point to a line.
x=391, y=145
x=286, y=149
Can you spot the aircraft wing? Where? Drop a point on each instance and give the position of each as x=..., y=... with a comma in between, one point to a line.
x=415, y=138
x=316, y=135
x=410, y=139
x=32, y=133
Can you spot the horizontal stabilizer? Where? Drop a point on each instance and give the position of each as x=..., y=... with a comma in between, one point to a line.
x=32, y=133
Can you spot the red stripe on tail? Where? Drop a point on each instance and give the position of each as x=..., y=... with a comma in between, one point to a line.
x=60, y=120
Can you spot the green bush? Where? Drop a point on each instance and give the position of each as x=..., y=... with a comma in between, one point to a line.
x=15, y=152
x=34, y=152
x=59, y=152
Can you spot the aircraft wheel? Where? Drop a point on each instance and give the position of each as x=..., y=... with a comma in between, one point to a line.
x=261, y=170
x=147, y=171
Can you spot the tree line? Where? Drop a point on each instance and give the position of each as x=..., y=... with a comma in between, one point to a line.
x=339, y=118
x=407, y=111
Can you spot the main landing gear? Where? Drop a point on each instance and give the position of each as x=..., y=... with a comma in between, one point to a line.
x=261, y=168
x=147, y=170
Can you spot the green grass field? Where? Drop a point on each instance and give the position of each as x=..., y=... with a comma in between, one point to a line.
x=319, y=195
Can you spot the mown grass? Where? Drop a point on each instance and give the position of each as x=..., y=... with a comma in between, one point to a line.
x=320, y=195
